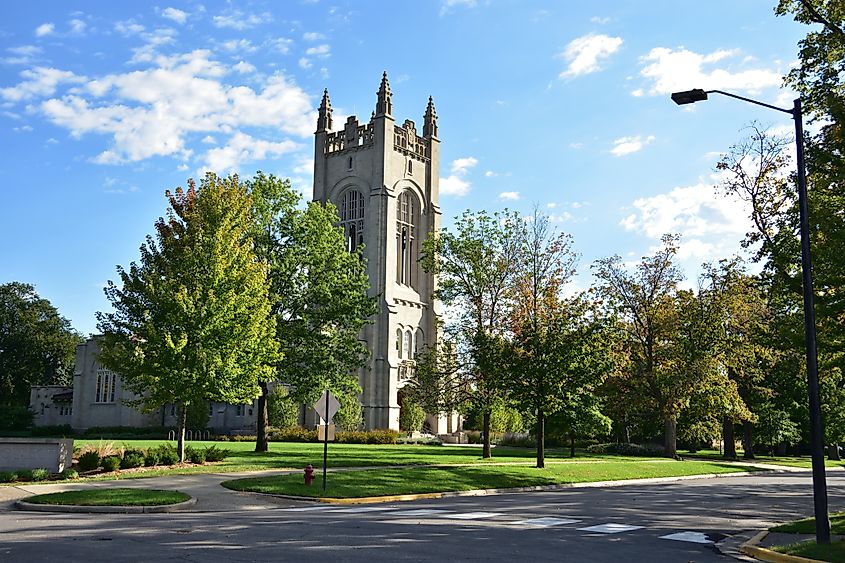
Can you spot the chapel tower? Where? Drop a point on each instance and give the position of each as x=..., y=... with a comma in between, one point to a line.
x=383, y=178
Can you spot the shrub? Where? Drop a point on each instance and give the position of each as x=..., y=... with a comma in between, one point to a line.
x=213, y=453
x=15, y=417
x=110, y=463
x=411, y=416
x=167, y=454
x=69, y=473
x=350, y=415
x=152, y=457
x=132, y=459
x=8, y=476
x=617, y=448
x=421, y=441
x=25, y=475
x=194, y=455
x=243, y=438
x=60, y=430
x=295, y=434
x=518, y=440
x=88, y=461
x=282, y=409
x=368, y=437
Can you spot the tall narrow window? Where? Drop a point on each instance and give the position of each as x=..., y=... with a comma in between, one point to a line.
x=104, y=392
x=352, y=218
x=399, y=342
x=410, y=166
x=407, y=353
x=407, y=213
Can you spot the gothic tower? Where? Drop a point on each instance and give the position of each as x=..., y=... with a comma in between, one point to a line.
x=383, y=179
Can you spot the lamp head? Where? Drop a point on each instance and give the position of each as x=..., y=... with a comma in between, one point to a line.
x=689, y=97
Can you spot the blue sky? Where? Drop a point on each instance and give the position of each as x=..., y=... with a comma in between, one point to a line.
x=564, y=105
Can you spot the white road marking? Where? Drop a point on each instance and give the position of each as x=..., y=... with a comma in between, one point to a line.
x=364, y=509
x=610, y=528
x=694, y=537
x=419, y=512
x=473, y=515
x=545, y=522
x=308, y=508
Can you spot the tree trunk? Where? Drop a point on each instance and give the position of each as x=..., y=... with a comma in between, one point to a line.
x=183, y=421
x=728, y=438
x=747, y=440
x=670, y=436
x=541, y=439
x=833, y=452
x=486, y=452
x=572, y=444
x=261, y=442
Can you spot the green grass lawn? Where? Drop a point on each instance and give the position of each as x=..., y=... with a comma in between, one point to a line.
x=808, y=525
x=111, y=497
x=378, y=482
x=791, y=461
x=834, y=552
x=291, y=455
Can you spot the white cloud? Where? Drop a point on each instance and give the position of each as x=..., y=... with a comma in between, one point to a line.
x=628, y=145
x=586, y=52
x=600, y=20
x=313, y=36
x=447, y=5
x=44, y=29
x=244, y=148
x=280, y=44
x=238, y=45
x=39, y=81
x=244, y=67
x=21, y=55
x=319, y=51
x=510, y=196
x=77, y=27
x=128, y=28
x=711, y=225
x=455, y=184
x=159, y=110
x=305, y=63
x=490, y=174
x=175, y=14
x=672, y=70
x=240, y=21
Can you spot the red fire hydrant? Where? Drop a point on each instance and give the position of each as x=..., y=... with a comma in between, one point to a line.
x=309, y=475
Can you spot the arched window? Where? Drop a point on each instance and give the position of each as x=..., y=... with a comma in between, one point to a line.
x=407, y=352
x=419, y=341
x=351, y=211
x=104, y=393
x=407, y=216
x=399, y=342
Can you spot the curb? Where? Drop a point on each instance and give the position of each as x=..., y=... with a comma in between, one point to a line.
x=23, y=505
x=485, y=492
x=752, y=548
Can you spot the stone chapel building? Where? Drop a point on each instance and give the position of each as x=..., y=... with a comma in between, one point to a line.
x=383, y=178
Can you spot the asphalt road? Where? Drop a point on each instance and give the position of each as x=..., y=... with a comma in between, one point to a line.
x=240, y=527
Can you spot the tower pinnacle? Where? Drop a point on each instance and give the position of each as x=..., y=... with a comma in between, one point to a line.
x=430, y=120
x=324, y=118
x=384, y=103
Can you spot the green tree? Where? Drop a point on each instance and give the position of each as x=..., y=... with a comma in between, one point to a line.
x=282, y=409
x=645, y=300
x=192, y=321
x=411, y=416
x=350, y=415
x=319, y=292
x=475, y=264
x=37, y=345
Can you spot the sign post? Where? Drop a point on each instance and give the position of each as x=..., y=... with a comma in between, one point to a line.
x=326, y=406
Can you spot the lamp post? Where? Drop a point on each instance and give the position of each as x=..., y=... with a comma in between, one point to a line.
x=816, y=436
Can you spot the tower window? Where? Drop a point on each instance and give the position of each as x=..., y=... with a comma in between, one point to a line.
x=410, y=166
x=350, y=163
x=104, y=392
x=352, y=218
x=407, y=216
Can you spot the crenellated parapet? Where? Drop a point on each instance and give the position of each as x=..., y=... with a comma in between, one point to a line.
x=352, y=136
x=407, y=142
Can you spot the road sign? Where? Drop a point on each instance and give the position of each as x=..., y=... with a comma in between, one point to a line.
x=327, y=408
x=321, y=433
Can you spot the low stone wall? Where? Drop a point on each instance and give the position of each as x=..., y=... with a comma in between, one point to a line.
x=54, y=455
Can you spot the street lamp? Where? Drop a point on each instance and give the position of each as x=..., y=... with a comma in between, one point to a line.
x=816, y=437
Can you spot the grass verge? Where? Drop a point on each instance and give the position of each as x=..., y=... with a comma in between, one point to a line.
x=791, y=461
x=808, y=525
x=111, y=497
x=389, y=481
x=834, y=552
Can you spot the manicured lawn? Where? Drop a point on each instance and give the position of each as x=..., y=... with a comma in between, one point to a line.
x=808, y=525
x=377, y=482
x=791, y=461
x=834, y=552
x=111, y=497
x=290, y=455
